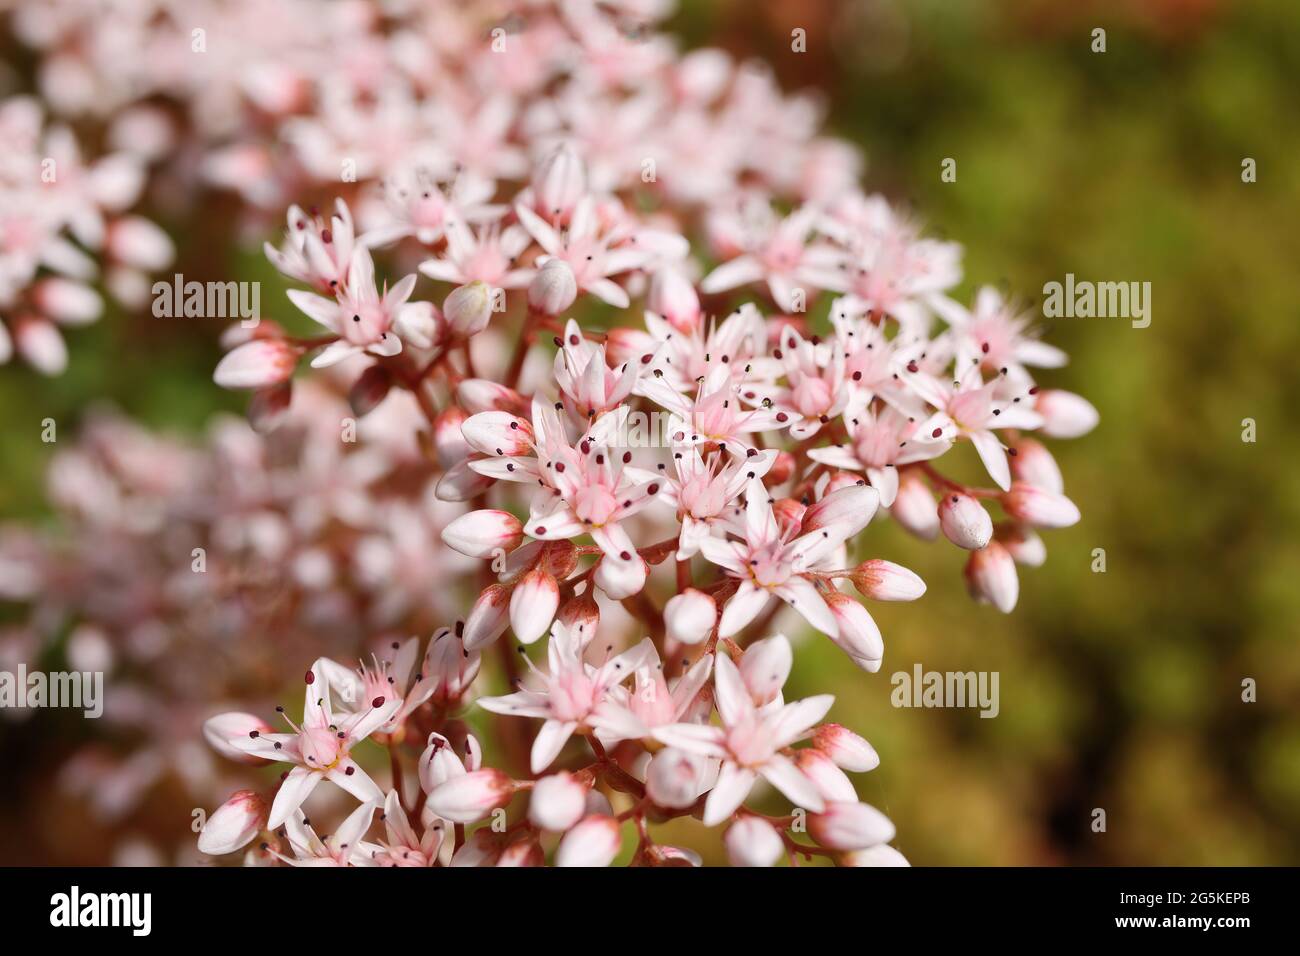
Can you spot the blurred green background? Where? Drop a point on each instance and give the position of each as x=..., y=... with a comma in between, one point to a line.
x=1119, y=690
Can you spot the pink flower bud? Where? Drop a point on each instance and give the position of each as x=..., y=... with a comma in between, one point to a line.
x=672, y=296
x=498, y=433
x=559, y=181
x=914, y=508
x=1022, y=543
x=522, y=853
x=765, y=667
x=269, y=407
x=789, y=514
x=991, y=576
x=844, y=512
x=460, y=482
x=880, y=855
x=220, y=730
x=850, y=826
x=438, y=763
x=593, y=842
x=420, y=324
x=580, y=613
x=484, y=395
x=857, y=634
x=1044, y=509
x=66, y=301
x=257, y=364
x=557, y=802
x=484, y=533
x=752, y=841
x=468, y=309
x=41, y=345
x=964, y=521
x=831, y=782
x=471, y=796
x=233, y=824
x=689, y=617
x=533, y=603
x=886, y=581
x=619, y=578
x=1033, y=464
x=488, y=617
x=676, y=778
x=370, y=388
x=448, y=438
x=138, y=242
x=1065, y=415
x=553, y=289
x=847, y=749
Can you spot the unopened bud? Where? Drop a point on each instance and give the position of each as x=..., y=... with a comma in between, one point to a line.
x=554, y=289
x=468, y=309
x=233, y=824
x=689, y=617
x=991, y=577
x=886, y=581
x=964, y=521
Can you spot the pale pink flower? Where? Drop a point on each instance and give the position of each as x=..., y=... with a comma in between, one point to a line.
x=315, y=252
x=320, y=748
x=364, y=319
x=572, y=696
x=487, y=254
x=344, y=847
x=749, y=744
x=770, y=562
x=879, y=442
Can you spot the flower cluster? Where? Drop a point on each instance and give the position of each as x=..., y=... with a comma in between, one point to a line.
x=795, y=373
x=61, y=218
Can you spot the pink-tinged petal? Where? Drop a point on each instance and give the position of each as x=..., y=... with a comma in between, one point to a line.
x=523, y=470
x=356, y=782
x=739, y=271
x=837, y=456
x=372, y=718
x=609, y=292
x=743, y=607
x=699, y=739
x=729, y=792
x=462, y=481
x=540, y=230
x=675, y=777
x=615, y=722
x=293, y=792
x=688, y=687
x=334, y=353
x=519, y=704
x=994, y=457
x=726, y=554
x=386, y=346
x=397, y=827
x=223, y=733
x=802, y=595
x=324, y=311
x=354, y=827
x=760, y=522
x=765, y=667
x=885, y=481
x=856, y=632
x=731, y=694
x=781, y=773
x=550, y=740
x=558, y=525
x=794, y=720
